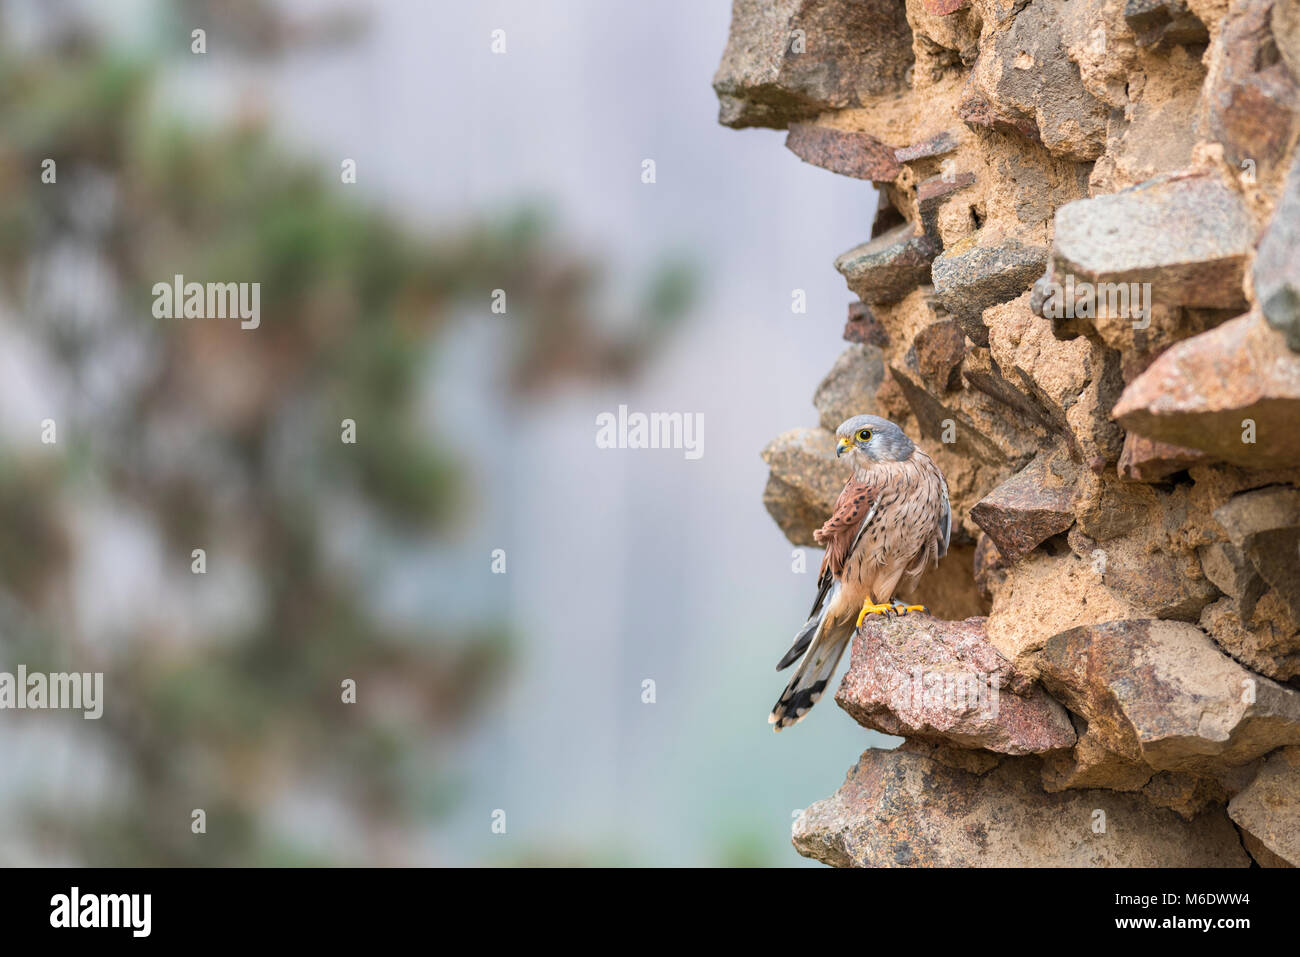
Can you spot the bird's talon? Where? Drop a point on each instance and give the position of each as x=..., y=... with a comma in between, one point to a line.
x=901, y=609
x=871, y=609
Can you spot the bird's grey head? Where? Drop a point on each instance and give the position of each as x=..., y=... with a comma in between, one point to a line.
x=872, y=439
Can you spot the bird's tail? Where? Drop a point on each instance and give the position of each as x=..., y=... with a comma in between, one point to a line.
x=814, y=672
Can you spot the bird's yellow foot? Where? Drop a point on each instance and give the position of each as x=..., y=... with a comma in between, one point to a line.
x=902, y=609
x=869, y=609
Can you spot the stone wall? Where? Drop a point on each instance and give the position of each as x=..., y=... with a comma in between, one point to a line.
x=1081, y=293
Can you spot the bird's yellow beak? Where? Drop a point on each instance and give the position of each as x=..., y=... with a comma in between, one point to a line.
x=844, y=445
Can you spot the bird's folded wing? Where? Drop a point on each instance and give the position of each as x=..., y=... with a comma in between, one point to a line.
x=841, y=531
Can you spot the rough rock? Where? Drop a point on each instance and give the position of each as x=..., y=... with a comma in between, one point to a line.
x=793, y=59
x=936, y=354
x=1076, y=382
x=804, y=481
x=1234, y=575
x=1146, y=460
x=849, y=389
x=887, y=268
x=937, y=145
x=1267, y=639
x=1277, y=265
x=969, y=278
x=1029, y=84
x=1160, y=692
x=942, y=680
x=1269, y=808
x=941, y=8
x=933, y=193
x=1232, y=392
x=848, y=153
x=863, y=327
x=1045, y=594
x=1264, y=527
x=1030, y=507
x=1187, y=794
x=1150, y=569
x=1156, y=22
x=1189, y=236
x=1091, y=765
x=1252, y=100
x=907, y=810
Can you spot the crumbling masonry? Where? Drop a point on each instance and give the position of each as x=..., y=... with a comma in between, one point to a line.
x=1081, y=292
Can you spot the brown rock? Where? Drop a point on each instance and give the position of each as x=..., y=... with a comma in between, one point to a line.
x=936, y=145
x=1047, y=593
x=1090, y=765
x=1150, y=568
x=1146, y=460
x=936, y=354
x=1269, y=808
x=863, y=327
x=932, y=193
x=1028, y=508
x=1251, y=100
x=1187, y=794
x=1234, y=575
x=1267, y=640
x=1264, y=525
x=804, y=482
x=1077, y=382
x=941, y=8
x=942, y=680
x=988, y=562
x=794, y=59
x=850, y=154
x=1202, y=392
x=1160, y=692
x=1262, y=855
x=960, y=759
x=849, y=389
x=906, y=810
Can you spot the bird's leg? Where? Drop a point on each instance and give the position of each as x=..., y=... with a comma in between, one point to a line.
x=870, y=608
x=901, y=609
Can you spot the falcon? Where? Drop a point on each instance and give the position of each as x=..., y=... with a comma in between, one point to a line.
x=891, y=523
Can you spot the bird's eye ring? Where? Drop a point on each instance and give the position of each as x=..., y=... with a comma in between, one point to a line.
x=864, y=435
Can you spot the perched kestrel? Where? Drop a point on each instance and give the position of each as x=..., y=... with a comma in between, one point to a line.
x=890, y=524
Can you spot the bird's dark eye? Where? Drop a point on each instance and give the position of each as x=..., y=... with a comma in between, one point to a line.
x=864, y=435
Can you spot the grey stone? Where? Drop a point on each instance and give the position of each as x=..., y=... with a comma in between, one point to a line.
x=1264, y=526
x=794, y=59
x=968, y=278
x=1189, y=236
x=888, y=267
x=1167, y=22
x=849, y=389
x=1277, y=264
x=1029, y=83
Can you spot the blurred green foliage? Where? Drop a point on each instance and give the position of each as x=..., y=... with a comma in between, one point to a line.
x=231, y=438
